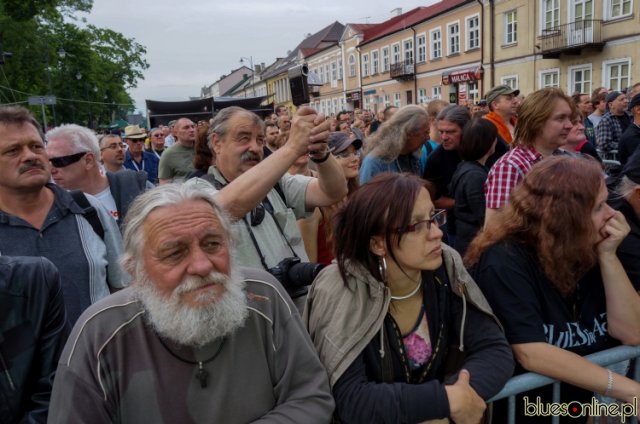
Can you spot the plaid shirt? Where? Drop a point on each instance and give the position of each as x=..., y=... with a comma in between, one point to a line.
x=608, y=132
x=508, y=172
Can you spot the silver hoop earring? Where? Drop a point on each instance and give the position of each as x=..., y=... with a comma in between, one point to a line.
x=382, y=267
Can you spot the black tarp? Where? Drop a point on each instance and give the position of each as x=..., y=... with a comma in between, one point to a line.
x=200, y=109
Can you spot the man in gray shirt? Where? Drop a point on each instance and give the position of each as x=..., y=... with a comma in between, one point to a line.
x=196, y=338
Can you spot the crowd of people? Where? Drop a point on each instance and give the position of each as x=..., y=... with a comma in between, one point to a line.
x=359, y=268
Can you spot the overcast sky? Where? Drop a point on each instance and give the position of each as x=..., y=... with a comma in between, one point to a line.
x=192, y=43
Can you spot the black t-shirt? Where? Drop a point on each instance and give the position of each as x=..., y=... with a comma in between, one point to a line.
x=532, y=310
x=441, y=164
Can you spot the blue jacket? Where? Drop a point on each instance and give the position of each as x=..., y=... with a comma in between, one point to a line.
x=149, y=164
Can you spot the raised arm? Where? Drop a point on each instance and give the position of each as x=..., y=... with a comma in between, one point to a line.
x=246, y=191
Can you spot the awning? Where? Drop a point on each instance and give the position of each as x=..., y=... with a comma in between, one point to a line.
x=474, y=74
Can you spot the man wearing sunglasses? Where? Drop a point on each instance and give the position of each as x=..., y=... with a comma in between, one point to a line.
x=38, y=218
x=136, y=158
x=81, y=171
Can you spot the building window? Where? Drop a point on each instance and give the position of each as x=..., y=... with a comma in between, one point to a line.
x=396, y=99
x=375, y=62
x=580, y=80
x=550, y=12
x=436, y=43
x=510, y=80
x=422, y=95
x=616, y=74
x=421, y=42
x=317, y=73
x=327, y=79
x=385, y=100
x=511, y=27
x=385, y=59
x=340, y=74
x=473, y=92
x=618, y=8
x=550, y=78
x=453, y=37
x=352, y=65
x=395, y=49
x=436, y=92
x=334, y=71
x=408, y=51
x=365, y=65
x=473, y=32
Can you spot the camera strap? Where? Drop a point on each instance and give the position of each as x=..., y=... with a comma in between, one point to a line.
x=219, y=185
x=268, y=209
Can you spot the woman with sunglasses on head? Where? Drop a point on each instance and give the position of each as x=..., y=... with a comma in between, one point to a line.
x=317, y=230
x=402, y=329
x=549, y=269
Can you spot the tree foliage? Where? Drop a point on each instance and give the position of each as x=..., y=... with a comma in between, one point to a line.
x=90, y=80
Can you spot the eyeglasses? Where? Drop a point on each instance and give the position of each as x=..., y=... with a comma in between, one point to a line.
x=347, y=155
x=136, y=140
x=62, y=161
x=159, y=135
x=114, y=146
x=439, y=218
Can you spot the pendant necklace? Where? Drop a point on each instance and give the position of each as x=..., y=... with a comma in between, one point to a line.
x=202, y=375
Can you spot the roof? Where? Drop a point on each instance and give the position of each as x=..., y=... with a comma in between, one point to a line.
x=322, y=39
x=409, y=19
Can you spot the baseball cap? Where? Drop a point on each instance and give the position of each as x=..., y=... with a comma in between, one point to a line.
x=612, y=96
x=632, y=168
x=499, y=91
x=339, y=141
x=635, y=101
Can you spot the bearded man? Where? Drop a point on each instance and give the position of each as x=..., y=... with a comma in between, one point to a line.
x=196, y=337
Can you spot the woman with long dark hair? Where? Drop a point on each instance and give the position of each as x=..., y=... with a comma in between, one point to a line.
x=549, y=269
x=404, y=332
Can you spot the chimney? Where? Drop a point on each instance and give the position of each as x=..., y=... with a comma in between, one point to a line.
x=396, y=12
x=258, y=69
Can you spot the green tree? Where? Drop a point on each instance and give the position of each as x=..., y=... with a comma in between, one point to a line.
x=90, y=79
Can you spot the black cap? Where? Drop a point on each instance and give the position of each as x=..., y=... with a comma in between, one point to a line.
x=632, y=168
x=612, y=96
x=339, y=141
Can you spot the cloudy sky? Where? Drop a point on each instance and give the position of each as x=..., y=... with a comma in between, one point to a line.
x=192, y=43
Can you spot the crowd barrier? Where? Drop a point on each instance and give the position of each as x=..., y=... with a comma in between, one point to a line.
x=529, y=381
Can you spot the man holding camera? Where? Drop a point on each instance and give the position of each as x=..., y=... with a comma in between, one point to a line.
x=269, y=237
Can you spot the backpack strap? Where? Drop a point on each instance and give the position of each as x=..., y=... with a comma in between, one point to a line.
x=88, y=212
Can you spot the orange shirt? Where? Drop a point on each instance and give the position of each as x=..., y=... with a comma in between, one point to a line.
x=503, y=129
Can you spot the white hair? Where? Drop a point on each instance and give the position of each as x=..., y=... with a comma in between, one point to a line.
x=626, y=187
x=164, y=196
x=82, y=138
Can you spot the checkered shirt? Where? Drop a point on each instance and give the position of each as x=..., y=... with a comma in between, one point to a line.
x=508, y=172
x=608, y=132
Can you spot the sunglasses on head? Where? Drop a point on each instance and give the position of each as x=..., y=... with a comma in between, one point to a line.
x=62, y=161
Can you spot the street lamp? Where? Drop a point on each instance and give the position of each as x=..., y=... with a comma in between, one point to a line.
x=253, y=76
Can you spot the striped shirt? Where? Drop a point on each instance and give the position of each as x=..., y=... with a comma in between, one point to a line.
x=507, y=173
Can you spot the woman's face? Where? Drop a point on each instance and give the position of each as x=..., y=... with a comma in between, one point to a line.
x=601, y=213
x=421, y=249
x=349, y=159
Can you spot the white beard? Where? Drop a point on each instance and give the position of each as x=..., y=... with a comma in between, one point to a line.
x=194, y=326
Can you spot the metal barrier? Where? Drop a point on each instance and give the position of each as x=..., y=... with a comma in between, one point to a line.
x=529, y=381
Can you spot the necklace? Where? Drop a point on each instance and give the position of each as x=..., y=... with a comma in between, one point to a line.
x=202, y=375
x=407, y=296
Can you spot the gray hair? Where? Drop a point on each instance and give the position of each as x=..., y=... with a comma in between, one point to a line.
x=455, y=114
x=625, y=187
x=82, y=138
x=389, y=140
x=220, y=123
x=164, y=196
